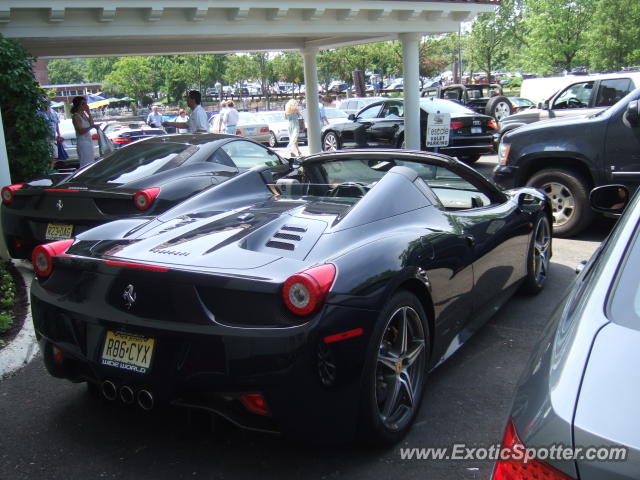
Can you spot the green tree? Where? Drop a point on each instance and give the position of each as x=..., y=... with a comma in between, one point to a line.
x=22, y=103
x=131, y=76
x=613, y=36
x=62, y=71
x=212, y=68
x=557, y=32
x=239, y=69
x=486, y=43
x=264, y=71
x=97, y=68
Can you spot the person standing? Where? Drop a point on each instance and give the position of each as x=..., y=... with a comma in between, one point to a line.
x=197, y=122
x=292, y=114
x=154, y=119
x=230, y=118
x=218, y=126
x=54, y=130
x=182, y=118
x=323, y=112
x=83, y=124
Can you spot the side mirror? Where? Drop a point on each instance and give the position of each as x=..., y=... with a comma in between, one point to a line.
x=528, y=202
x=352, y=117
x=544, y=105
x=609, y=199
x=633, y=112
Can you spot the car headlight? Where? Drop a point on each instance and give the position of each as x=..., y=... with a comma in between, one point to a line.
x=503, y=153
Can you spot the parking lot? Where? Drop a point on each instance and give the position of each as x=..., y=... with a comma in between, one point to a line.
x=52, y=427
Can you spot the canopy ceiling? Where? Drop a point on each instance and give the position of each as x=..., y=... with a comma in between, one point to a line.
x=73, y=28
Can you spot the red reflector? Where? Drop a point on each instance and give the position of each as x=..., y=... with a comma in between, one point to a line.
x=121, y=140
x=143, y=199
x=94, y=136
x=255, y=403
x=65, y=190
x=136, y=266
x=60, y=139
x=58, y=356
x=493, y=124
x=8, y=191
x=42, y=256
x=515, y=464
x=356, y=332
x=18, y=243
x=456, y=125
x=238, y=132
x=304, y=292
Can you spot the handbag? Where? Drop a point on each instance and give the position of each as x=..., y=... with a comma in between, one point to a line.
x=62, y=152
x=301, y=125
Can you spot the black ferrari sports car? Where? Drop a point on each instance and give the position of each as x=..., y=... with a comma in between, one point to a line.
x=381, y=125
x=143, y=179
x=313, y=304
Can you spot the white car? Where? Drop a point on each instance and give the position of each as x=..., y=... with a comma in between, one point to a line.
x=278, y=127
x=355, y=104
x=249, y=126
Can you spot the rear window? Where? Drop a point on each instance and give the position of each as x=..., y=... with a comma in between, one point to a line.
x=435, y=106
x=135, y=162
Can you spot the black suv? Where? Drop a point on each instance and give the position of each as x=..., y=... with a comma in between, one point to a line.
x=566, y=158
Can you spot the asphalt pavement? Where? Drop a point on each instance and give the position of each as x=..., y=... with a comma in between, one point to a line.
x=52, y=429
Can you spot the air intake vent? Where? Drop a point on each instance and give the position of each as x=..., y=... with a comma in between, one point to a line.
x=286, y=233
x=281, y=245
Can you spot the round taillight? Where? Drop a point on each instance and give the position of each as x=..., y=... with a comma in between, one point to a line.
x=7, y=192
x=304, y=292
x=143, y=199
x=238, y=132
x=42, y=256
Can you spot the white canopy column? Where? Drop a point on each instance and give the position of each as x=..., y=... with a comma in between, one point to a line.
x=411, y=74
x=311, y=90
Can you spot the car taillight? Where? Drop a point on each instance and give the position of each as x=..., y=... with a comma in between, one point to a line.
x=121, y=140
x=60, y=139
x=493, y=124
x=42, y=256
x=143, y=199
x=94, y=136
x=304, y=292
x=264, y=130
x=238, y=132
x=514, y=464
x=7, y=192
x=456, y=125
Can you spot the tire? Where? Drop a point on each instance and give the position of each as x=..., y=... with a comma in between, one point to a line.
x=330, y=142
x=469, y=159
x=568, y=192
x=273, y=141
x=498, y=107
x=538, y=257
x=395, y=371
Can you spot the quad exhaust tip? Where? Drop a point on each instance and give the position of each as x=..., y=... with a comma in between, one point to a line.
x=109, y=390
x=126, y=395
x=145, y=399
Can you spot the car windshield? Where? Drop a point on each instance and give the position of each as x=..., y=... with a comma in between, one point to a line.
x=272, y=116
x=432, y=105
x=135, y=162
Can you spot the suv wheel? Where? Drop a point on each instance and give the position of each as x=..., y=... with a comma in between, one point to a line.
x=499, y=107
x=569, y=195
x=273, y=141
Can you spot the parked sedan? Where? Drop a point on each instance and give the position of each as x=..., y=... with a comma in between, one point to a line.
x=127, y=136
x=248, y=126
x=260, y=302
x=145, y=178
x=381, y=124
x=278, y=127
x=579, y=389
x=355, y=104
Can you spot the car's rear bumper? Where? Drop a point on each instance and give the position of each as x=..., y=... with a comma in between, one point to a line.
x=209, y=367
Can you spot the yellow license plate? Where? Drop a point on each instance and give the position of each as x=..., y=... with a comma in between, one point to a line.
x=126, y=351
x=58, y=231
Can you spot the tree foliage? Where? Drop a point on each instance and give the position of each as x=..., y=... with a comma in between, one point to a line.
x=131, y=76
x=486, y=43
x=97, y=68
x=22, y=103
x=63, y=71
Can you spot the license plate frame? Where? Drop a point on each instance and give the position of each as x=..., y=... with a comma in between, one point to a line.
x=127, y=351
x=476, y=130
x=58, y=231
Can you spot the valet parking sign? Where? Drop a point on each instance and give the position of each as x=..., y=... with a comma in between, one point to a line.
x=438, y=125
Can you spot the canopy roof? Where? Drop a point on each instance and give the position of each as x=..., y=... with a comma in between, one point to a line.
x=71, y=28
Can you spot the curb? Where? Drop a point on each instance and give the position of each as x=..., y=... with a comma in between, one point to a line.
x=23, y=348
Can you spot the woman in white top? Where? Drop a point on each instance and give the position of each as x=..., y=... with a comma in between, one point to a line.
x=83, y=124
x=182, y=118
